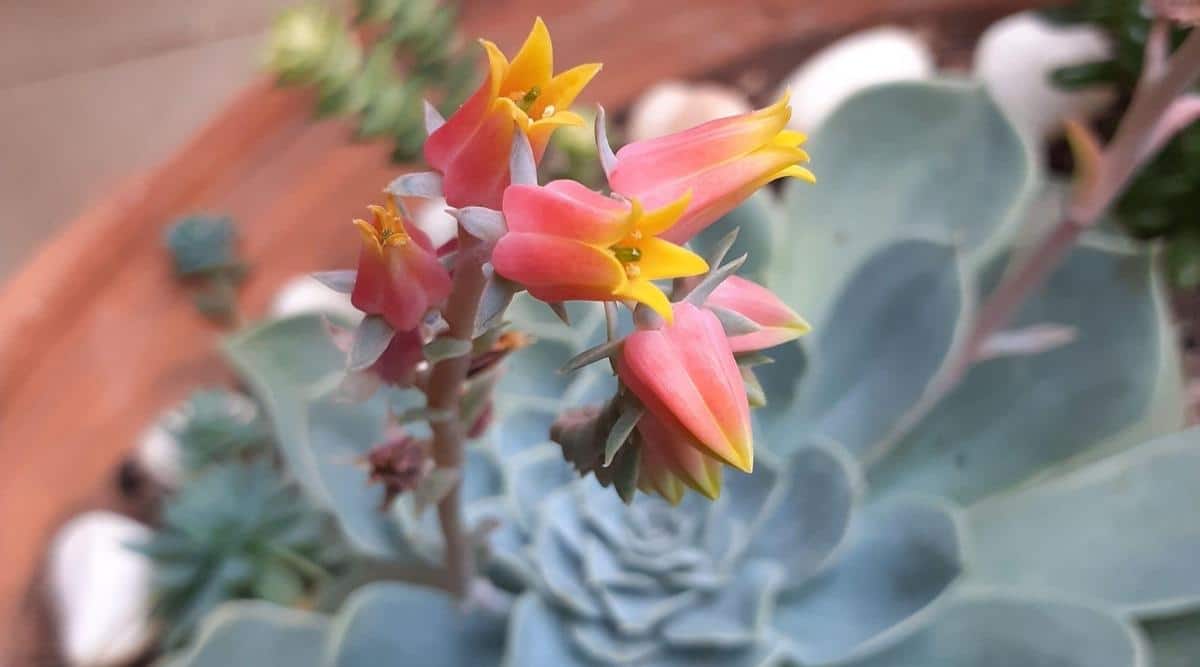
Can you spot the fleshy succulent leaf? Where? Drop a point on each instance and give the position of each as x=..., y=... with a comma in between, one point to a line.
x=371, y=338
x=906, y=304
x=253, y=632
x=1004, y=422
x=900, y=560
x=733, y=616
x=1147, y=565
x=1174, y=642
x=974, y=176
x=392, y=622
x=983, y=629
x=805, y=518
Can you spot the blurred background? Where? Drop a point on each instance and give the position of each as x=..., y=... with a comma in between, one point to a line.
x=118, y=118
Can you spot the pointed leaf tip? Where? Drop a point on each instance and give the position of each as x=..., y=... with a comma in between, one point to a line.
x=631, y=414
x=521, y=165
x=608, y=160
x=371, y=338
x=339, y=281
x=433, y=119
x=424, y=184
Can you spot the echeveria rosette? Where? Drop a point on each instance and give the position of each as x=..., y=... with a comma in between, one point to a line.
x=566, y=242
x=471, y=148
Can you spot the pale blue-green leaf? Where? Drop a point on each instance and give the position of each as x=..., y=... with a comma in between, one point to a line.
x=894, y=159
x=561, y=568
x=440, y=349
x=371, y=338
x=252, y=633
x=482, y=476
x=736, y=615
x=321, y=441
x=1174, y=642
x=539, y=635
x=404, y=624
x=522, y=428
x=990, y=630
x=808, y=512
x=901, y=557
x=1012, y=418
x=532, y=476
x=601, y=642
x=341, y=281
x=1122, y=530
x=636, y=611
x=884, y=340
x=756, y=220
x=533, y=371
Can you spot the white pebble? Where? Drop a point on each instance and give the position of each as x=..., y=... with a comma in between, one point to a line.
x=851, y=64
x=303, y=295
x=672, y=106
x=1014, y=60
x=100, y=589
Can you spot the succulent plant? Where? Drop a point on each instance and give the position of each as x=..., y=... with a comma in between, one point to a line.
x=217, y=426
x=1039, y=515
x=233, y=531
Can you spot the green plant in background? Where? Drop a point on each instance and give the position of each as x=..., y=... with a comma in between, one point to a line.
x=1162, y=201
x=217, y=426
x=378, y=71
x=1039, y=514
x=234, y=531
x=204, y=250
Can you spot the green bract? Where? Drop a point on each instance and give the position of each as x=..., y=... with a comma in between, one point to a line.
x=1021, y=522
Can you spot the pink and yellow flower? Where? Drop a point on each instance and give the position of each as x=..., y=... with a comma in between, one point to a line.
x=399, y=275
x=722, y=162
x=778, y=322
x=471, y=149
x=689, y=382
x=566, y=242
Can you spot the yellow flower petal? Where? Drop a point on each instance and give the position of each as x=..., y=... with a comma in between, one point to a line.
x=796, y=171
x=655, y=222
x=663, y=259
x=497, y=65
x=562, y=90
x=369, y=234
x=560, y=119
x=534, y=63
x=644, y=291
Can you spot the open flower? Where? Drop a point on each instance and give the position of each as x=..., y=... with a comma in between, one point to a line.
x=566, y=242
x=686, y=376
x=399, y=276
x=471, y=149
x=722, y=162
x=778, y=322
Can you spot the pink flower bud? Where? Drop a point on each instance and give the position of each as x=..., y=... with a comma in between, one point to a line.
x=760, y=305
x=471, y=148
x=399, y=275
x=672, y=458
x=722, y=162
x=686, y=376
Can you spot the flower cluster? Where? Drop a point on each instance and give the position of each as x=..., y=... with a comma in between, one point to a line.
x=682, y=409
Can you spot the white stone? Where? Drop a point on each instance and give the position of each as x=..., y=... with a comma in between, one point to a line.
x=303, y=295
x=158, y=455
x=100, y=589
x=431, y=217
x=672, y=106
x=851, y=64
x=1014, y=59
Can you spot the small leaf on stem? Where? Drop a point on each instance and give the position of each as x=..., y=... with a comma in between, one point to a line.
x=440, y=349
x=735, y=324
x=482, y=223
x=608, y=160
x=371, y=338
x=701, y=292
x=433, y=118
x=592, y=355
x=425, y=184
x=631, y=413
x=338, y=281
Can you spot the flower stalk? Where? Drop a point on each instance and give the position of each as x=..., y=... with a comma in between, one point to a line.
x=443, y=392
x=1103, y=175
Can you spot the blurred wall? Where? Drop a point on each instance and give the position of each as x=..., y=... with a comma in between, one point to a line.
x=92, y=91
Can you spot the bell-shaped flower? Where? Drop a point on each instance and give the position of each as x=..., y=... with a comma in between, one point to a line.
x=777, y=322
x=671, y=459
x=566, y=242
x=399, y=276
x=686, y=376
x=722, y=162
x=471, y=148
